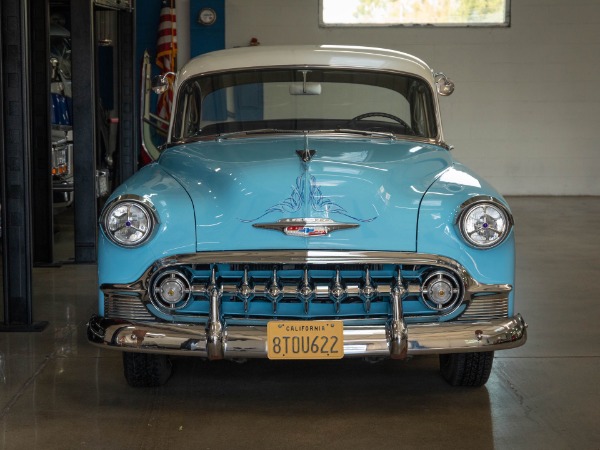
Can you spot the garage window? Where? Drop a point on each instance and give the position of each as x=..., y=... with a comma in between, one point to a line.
x=457, y=13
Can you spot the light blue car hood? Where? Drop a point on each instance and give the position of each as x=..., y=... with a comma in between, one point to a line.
x=236, y=185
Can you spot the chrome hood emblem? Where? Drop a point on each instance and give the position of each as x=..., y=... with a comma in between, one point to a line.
x=309, y=227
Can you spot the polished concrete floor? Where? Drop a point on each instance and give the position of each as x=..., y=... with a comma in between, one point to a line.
x=58, y=392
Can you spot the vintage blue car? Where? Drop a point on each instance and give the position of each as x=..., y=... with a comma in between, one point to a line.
x=306, y=206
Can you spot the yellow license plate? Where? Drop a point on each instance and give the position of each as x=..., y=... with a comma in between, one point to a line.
x=322, y=339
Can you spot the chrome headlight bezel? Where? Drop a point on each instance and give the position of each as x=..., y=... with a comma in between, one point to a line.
x=502, y=215
x=140, y=204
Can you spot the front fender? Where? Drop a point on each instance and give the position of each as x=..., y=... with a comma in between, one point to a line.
x=438, y=233
x=176, y=233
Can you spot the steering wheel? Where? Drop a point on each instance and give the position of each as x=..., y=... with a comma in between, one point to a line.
x=382, y=114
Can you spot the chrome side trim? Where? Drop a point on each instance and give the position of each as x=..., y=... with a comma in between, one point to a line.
x=359, y=341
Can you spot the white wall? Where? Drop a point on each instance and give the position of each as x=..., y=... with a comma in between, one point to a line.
x=526, y=110
x=183, y=32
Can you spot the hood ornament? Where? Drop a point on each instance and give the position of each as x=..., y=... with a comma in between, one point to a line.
x=306, y=154
x=306, y=227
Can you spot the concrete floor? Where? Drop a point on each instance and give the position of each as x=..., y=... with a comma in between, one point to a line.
x=59, y=392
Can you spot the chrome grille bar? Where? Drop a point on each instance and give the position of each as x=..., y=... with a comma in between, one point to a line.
x=485, y=308
x=366, y=286
x=126, y=307
x=328, y=257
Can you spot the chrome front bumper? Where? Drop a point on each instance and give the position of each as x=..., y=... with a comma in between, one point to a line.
x=235, y=341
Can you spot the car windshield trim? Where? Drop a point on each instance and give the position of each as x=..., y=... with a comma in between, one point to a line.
x=267, y=131
x=306, y=132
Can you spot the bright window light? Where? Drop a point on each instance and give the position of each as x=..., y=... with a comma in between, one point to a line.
x=462, y=13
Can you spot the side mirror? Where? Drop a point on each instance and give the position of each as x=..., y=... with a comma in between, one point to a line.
x=160, y=83
x=444, y=85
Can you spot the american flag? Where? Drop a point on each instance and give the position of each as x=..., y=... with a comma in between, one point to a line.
x=166, y=54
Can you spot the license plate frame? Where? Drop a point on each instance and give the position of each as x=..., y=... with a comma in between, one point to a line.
x=300, y=339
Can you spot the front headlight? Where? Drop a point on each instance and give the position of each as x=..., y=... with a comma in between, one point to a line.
x=484, y=222
x=129, y=221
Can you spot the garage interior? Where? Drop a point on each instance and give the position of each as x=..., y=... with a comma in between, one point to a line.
x=523, y=116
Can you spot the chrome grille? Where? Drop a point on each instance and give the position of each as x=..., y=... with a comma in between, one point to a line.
x=268, y=267
x=126, y=307
x=304, y=290
x=305, y=285
x=486, y=307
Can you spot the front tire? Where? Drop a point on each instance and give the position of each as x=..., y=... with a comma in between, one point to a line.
x=145, y=369
x=466, y=369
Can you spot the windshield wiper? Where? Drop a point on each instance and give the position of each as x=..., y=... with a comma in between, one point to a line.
x=255, y=132
x=381, y=134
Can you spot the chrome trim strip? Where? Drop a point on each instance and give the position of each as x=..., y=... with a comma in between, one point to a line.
x=359, y=341
x=309, y=257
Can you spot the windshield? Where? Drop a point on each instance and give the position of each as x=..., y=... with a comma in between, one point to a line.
x=304, y=99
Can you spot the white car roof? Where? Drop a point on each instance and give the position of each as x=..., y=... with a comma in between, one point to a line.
x=313, y=55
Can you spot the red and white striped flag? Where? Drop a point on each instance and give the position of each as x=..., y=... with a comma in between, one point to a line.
x=166, y=54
